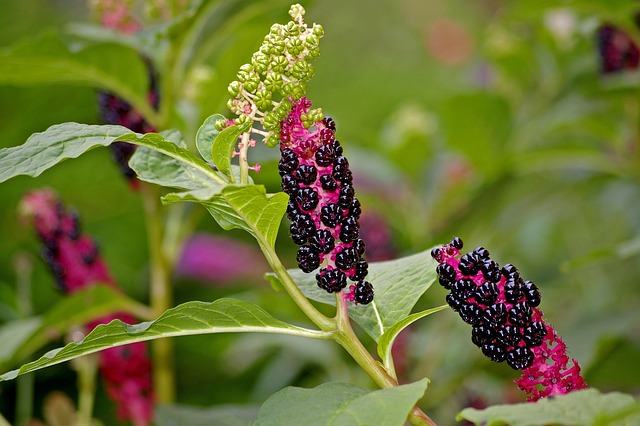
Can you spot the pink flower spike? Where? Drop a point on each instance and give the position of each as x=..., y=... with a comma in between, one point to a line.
x=256, y=168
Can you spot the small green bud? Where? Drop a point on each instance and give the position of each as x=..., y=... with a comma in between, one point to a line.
x=273, y=82
x=279, y=63
x=242, y=121
x=296, y=11
x=276, y=29
x=318, y=30
x=244, y=72
x=302, y=70
x=251, y=86
x=277, y=44
x=295, y=90
x=234, y=88
x=272, y=140
x=312, y=41
x=231, y=104
x=292, y=29
x=313, y=53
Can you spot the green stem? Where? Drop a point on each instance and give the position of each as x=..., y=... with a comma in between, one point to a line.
x=87, y=368
x=350, y=342
x=323, y=322
x=25, y=384
x=161, y=296
x=243, y=160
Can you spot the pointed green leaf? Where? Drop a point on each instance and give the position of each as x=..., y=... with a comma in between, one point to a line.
x=398, y=285
x=340, y=404
x=59, y=142
x=581, y=408
x=207, y=133
x=386, y=340
x=156, y=167
x=46, y=59
x=250, y=208
x=222, y=149
x=21, y=338
x=221, y=316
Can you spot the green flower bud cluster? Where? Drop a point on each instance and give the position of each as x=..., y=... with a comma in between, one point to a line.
x=278, y=72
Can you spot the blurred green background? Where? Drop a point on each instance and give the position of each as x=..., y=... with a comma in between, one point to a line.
x=489, y=120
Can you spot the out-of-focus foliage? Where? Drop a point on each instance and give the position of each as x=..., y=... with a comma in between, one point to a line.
x=489, y=120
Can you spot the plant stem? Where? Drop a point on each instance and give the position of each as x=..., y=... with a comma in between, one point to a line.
x=350, y=342
x=161, y=296
x=243, y=160
x=87, y=368
x=24, y=387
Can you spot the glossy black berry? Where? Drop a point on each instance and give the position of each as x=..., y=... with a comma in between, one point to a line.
x=519, y=358
x=470, y=313
x=495, y=316
x=447, y=275
x=306, y=174
x=356, y=208
x=346, y=196
x=490, y=271
x=531, y=293
x=361, y=270
x=289, y=184
x=331, y=280
x=454, y=302
x=307, y=198
x=512, y=290
x=360, y=247
x=520, y=314
x=288, y=161
x=308, y=258
x=534, y=334
x=457, y=243
x=487, y=293
x=328, y=183
x=346, y=258
x=494, y=351
x=481, y=334
x=331, y=215
x=326, y=155
x=509, y=336
x=509, y=270
x=328, y=121
x=482, y=253
x=463, y=288
x=469, y=264
x=363, y=293
x=349, y=229
x=323, y=241
x=436, y=254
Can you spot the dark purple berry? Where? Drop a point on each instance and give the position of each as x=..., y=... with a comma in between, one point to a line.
x=463, y=288
x=456, y=243
x=468, y=264
x=520, y=314
x=519, y=358
x=447, y=275
x=482, y=253
x=328, y=121
x=346, y=258
x=331, y=280
x=349, y=229
x=470, y=313
x=323, y=241
x=356, y=208
x=481, y=335
x=495, y=316
x=531, y=293
x=361, y=270
x=308, y=258
x=331, y=215
x=289, y=184
x=487, y=293
x=491, y=271
x=454, y=302
x=326, y=155
x=307, y=198
x=346, y=196
x=306, y=174
x=363, y=293
x=512, y=290
x=328, y=183
x=534, y=334
x=494, y=351
x=509, y=336
x=360, y=247
x=288, y=161
x=327, y=136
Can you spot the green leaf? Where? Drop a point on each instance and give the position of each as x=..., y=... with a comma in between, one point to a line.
x=222, y=149
x=340, y=404
x=224, y=415
x=207, y=133
x=580, y=408
x=59, y=142
x=398, y=285
x=46, y=59
x=250, y=208
x=21, y=338
x=386, y=340
x=221, y=316
x=153, y=166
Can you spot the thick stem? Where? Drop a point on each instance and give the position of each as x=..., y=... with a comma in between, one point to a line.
x=87, y=368
x=243, y=160
x=25, y=384
x=161, y=297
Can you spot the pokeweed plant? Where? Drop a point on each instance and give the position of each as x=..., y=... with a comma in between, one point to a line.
x=269, y=102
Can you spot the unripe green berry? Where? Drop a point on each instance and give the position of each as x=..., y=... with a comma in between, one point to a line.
x=243, y=121
x=292, y=29
x=220, y=124
x=312, y=41
x=271, y=122
x=313, y=53
x=276, y=29
x=318, y=30
x=273, y=82
x=272, y=140
x=234, y=88
x=279, y=63
x=244, y=72
x=263, y=100
x=294, y=46
x=260, y=62
x=302, y=70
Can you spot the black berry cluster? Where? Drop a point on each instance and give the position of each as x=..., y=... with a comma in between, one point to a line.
x=497, y=302
x=617, y=50
x=114, y=110
x=323, y=209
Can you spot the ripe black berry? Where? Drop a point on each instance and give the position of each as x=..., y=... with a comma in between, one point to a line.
x=520, y=314
x=490, y=271
x=349, y=229
x=288, y=161
x=331, y=215
x=470, y=313
x=463, y=288
x=363, y=293
x=326, y=155
x=487, y=293
x=509, y=336
x=495, y=316
x=328, y=183
x=308, y=258
x=307, y=198
x=494, y=351
x=306, y=174
x=481, y=334
x=289, y=184
x=346, y=258
x=454, y=302
x=531, y=293
x=331, y=280
x=534, y=334
x=361, y=270
x=328, y=121
x=360, y=247
x=519, y=358
x=456, y=243
x=468, y=264
x=323, y=241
